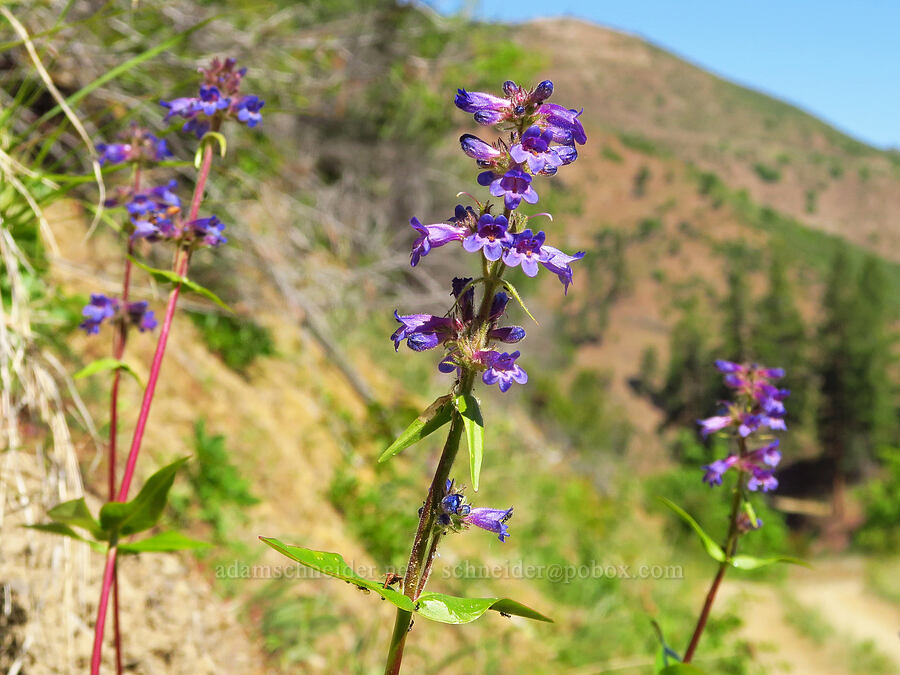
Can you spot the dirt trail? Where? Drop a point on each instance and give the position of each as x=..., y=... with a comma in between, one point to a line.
x=835, y=589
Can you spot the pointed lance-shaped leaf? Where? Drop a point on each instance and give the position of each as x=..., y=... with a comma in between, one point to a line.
x=142, y=512
x=468, y=408
x=434, y=417
x=164, y=542
x=712, y=548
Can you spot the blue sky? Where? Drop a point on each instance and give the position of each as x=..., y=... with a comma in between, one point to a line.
x=839, y=60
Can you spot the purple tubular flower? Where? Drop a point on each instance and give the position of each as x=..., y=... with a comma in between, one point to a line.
x=542, y=92
x=507, y=334
x=488, y=109
x=502, y=369
x=724, y=366
x=513, y=186
x=432, y=236
x=563, y=122
x=485, y=153
x=185, y=107
x=207, y=231
x=140, y=316
x=97, y=311
x=534, y=149
x=490, y=236
x=717, y=469
x=761, y=479
x=159, y=199
x=492, y=520
x=768, y=454
x=525, y=250
x=712, y=424
x=422, y=331
x=247, y=110
x=558, y=262
x=211, y=101
x=114, y=153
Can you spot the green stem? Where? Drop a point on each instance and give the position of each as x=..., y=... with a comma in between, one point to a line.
x=730, y=549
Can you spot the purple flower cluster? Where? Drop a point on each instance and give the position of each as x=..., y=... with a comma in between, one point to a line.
x=520, y=104
x=137, y=145
x=759, y=404
x=156, y=216
x=219, y=99
x=548, y=142
x=456, y=514
x=101, y=307
x=543, y=138
x=490, y=234
x=764, y=401
x=427, y=331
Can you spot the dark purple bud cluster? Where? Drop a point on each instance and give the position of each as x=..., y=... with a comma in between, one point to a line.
x=102, y=308
x=456, y=514
x=758, y=405
x=456, y=333
x=219, y=99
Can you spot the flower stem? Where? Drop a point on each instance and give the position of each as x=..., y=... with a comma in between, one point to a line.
x=730, y=548
x=120, y=337
x=180, y=266
x=101, y=610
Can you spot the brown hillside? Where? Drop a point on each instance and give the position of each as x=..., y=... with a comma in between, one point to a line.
x=816, y=173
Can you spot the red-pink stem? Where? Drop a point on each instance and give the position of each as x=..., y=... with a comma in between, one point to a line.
x=181, y=264
x=120, y=337
x=182, y=258
x=101, y=610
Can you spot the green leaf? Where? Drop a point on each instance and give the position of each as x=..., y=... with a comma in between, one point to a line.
x=75, y=512
x=208, y=137
x=468, y=407
x=513, y=292
x=433, y=606
x=452, y=609
x=164, y=542
x=142, y=512
x=749, y=562
x=434, y=417
x=168, y=276
x=333, y=565
x=66, y=531
x=712, y=548
x=106, y=364
x=681, y=669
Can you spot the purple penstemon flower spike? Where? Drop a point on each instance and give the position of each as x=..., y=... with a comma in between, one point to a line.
x=759, y=405
x=219, y=98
